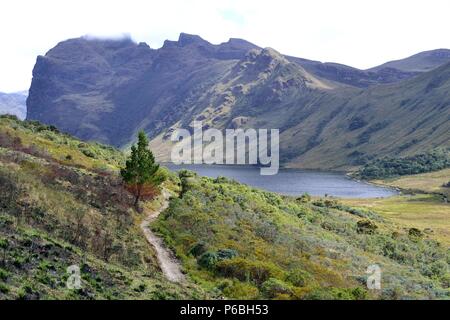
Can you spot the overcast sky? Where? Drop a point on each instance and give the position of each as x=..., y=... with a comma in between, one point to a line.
x=359, y=33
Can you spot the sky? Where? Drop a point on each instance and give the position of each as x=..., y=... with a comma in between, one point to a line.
x=359, y=33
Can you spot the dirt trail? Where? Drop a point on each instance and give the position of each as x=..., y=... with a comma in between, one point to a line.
x=167, y=261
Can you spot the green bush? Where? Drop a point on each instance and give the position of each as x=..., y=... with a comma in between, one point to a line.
x=88, y=153
x=415, y=233
x=198, y=249
x=274, y=287
x=4, y=288
x=247, y=270
x=3, y=274
x=226, y=254
x=298, y=277
x=366, y=227
x=304, y=198
x=208, y=260
x=337, y=294
x=425, y=162
x=240, y=290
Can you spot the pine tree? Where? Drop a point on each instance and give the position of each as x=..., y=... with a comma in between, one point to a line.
x=141, y=169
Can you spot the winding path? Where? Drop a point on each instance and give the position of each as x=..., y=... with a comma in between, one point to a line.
x=169, y=265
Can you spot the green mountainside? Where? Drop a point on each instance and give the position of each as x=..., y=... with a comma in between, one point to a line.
x=247, y=243
x=62, y=203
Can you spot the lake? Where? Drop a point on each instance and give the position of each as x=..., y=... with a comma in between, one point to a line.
x=293, y=181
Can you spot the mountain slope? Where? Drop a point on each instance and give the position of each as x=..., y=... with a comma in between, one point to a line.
x=329, y=115
x=353, y=76
x=389, y=72
x=14, y=104
x=421, y=62
x=398, y=119
x=62, y=204
x=105, y=90
x=251, y=244
x=326, y=126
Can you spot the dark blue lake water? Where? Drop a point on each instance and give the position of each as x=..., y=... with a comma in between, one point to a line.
x=293, y=181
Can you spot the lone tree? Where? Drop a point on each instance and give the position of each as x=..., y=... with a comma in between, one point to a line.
x=141, y=171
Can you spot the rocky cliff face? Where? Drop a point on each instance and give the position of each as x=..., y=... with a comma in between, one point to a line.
x=329, y=115
x=74, y=84
x=105, y=90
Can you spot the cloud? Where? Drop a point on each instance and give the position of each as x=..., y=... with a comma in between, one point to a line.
x=233, y=16
x=354, y=32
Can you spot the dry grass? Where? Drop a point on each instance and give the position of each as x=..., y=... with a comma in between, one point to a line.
x=419, y=211
x=427, y=182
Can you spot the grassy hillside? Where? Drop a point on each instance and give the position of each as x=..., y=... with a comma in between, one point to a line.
x=426, y=212
x=431, y=182
x=424, y=206
x=62, y=204
x=245, y=243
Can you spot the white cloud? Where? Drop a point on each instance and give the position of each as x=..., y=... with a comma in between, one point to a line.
x=354, y=32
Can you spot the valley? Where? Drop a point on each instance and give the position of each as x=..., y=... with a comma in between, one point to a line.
x=225, y=232
x=62, y=204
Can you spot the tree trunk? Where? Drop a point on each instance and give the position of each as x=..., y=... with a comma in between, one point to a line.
x=138, y=196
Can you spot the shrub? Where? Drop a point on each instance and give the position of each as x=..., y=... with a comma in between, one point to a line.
x=239, y=290
x=298, y=277
x=337, y=294
x=246, y=270
x=208, y=260
x=4, y=288
x=3, y=243
x=3, y=274
x=88, y=153
x=186, y=174
x=415, y=234
x=366, y=227
x=226, y=254
x=274, y=287
x=198, y=249
x=304, y=198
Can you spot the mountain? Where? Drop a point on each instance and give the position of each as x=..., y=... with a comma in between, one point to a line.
x=105, y=90
x=421, y=62
x=398, y=119
x=389, y=72
x=329, y=115
x=353, y=76
x=14, y=104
